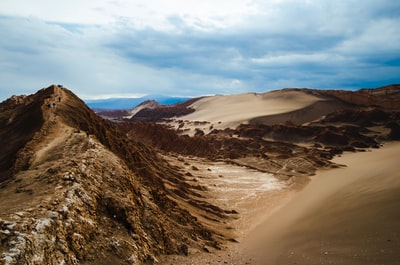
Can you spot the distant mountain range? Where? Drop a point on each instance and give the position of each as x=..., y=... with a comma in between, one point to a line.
x=130, y=103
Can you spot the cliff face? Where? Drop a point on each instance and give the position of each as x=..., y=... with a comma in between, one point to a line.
x=75, y=190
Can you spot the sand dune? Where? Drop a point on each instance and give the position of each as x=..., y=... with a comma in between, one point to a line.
x=344, y=216
x=230, y=110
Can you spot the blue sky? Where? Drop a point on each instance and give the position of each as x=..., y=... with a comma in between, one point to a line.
x=129, y=48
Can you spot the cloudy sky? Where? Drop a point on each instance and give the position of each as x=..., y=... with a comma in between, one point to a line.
x=190, y=47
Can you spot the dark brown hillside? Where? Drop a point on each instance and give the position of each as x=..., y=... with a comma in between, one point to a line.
x=163, y=138
x=20, y=118
x=387, y=97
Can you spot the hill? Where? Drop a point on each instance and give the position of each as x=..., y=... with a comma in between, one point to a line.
x=75, y=190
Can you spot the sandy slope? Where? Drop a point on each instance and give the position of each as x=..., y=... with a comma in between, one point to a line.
x=344, y=216
x=348, y=215
x=230, y=110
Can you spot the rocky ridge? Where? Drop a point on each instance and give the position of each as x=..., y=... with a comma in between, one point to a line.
x=76, y=191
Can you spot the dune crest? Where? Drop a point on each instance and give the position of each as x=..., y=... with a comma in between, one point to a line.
x=228, y=111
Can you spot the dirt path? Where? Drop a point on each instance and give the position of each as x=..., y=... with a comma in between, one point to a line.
x=58, y=137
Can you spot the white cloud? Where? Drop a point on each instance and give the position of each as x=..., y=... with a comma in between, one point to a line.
x=298, y=58
x=150, y=13
x=382, y=35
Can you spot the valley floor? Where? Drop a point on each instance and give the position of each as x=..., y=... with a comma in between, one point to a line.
x=348, y=215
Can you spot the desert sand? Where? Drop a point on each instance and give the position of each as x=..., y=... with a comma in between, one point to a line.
x=344, y=216
x=230, y=110
x=348, y=215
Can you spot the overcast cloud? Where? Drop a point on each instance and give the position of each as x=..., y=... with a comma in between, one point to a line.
x=190, y=48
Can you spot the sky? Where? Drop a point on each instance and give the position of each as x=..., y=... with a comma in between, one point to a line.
x=131, y=48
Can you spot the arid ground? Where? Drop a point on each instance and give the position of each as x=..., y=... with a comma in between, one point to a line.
x=347, y=215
